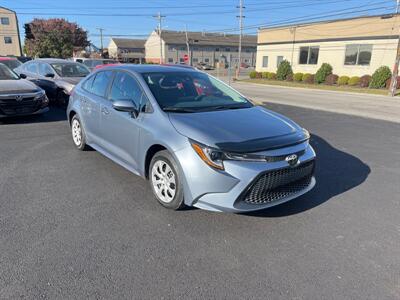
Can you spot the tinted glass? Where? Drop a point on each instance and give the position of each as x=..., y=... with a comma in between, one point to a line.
x=7, y=74
x=125, y=87
x=87, y=84
x=314, y=52
x=100, y=83
x=351, y=55
x=192, y=92
x=45, y=69
x=5, y=21
x=364, y=55
x=12, y=63
x=303, y=55
x=70, y=69
x=265, y=61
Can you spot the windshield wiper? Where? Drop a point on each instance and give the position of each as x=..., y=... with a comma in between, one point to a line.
x=221, y=107
x=178, y=109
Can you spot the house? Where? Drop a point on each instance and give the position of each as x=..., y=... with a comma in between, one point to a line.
x=10, y=43
x=209, y=48
x=127, y=50
x=353, y=46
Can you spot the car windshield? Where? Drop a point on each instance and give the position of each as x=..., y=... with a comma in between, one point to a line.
x=192, y=92
x=70, y=69
x=6, y=73
x=12, y=63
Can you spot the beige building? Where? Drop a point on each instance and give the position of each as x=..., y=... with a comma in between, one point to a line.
x=127, y=50
x=353, y=47
x=209, y=48
x=10, y=43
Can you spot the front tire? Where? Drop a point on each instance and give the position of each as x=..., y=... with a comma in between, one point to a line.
x=78, y=134
x=165, y=181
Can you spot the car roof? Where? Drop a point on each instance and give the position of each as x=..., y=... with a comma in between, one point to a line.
x=53, y=60
x=152, y=68
x=7, y=58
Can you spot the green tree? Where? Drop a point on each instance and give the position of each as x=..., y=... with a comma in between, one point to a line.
x=284, y=70
x=54, y=38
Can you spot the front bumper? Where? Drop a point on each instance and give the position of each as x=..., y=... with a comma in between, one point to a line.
x=239, y=189
x=27, y=104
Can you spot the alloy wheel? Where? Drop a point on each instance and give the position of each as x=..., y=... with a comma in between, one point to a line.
x=163, y=180
x=76, y=132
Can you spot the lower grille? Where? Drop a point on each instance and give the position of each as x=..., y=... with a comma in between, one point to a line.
x=279, y=184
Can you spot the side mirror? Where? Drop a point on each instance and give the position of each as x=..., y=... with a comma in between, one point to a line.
x=23, y=76
x=126, y=106
x=49, y=75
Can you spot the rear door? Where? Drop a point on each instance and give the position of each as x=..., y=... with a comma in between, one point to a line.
x=95, y=90
x=119, y=130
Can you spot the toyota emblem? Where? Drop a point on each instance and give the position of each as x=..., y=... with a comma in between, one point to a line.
x=292, y=159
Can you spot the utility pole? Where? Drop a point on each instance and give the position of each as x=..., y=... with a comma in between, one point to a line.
x=240, y=36
x=188, y=47
x=101, y=39
x=159, y=18
x=393, y=84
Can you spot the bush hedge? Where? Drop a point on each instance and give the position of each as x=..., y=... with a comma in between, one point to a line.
x=258, y=75
x=365, y=80
x=323, y=72
x=284, y=70
x=253, y=74
x=353, y=81
x=289, y=77
x=310, y=79
x=389, y=82
x=265, y=75
x=271, y=75
x=305, y=76
x=343, y=80
x=379, y=77
x=298, y=77
x=331, y=79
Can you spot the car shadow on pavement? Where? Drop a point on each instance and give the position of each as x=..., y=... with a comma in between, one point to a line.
x=336, y=172
x=54, y=114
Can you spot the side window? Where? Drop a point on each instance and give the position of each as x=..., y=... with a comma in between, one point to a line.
x=87, y=85
x=45, y=69
x=32, y=68
x=100, y=83
x=125, y=87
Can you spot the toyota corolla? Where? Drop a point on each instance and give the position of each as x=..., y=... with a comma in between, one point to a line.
x=195, y=139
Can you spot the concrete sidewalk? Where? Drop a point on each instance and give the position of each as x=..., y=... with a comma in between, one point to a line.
x=363, y=105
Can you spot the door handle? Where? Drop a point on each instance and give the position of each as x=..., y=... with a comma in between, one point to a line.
x=105, y=111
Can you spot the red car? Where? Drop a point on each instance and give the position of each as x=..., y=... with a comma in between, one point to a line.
x=10, y=62
x=105, y=65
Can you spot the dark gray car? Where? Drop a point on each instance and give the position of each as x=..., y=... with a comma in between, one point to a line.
x=56, y=76
x=19, y=96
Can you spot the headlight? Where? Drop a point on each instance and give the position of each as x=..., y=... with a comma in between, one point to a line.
x=40, y=95
x=215, y=158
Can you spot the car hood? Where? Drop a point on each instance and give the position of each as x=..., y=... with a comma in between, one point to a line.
x=17, y=86
x=241, y=130
x=70, y=80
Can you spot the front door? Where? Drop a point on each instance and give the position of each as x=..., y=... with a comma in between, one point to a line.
x=120, y=131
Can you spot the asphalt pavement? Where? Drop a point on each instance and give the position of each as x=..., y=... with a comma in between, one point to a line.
x=76, y=225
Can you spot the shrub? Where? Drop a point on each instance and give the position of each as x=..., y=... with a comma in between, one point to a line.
x=353, y=81
x=343, y=80
x=389, y=82
x=253, y=74
x=284, y=70
x=258, y=75
x=289, y=77
x=264, y=75
x=309, y=78
x=331, y=79
x=298, y=77
x=305, y=76
x=365, y=80
x=323, y=72
x=271, y=75
x=379, y=77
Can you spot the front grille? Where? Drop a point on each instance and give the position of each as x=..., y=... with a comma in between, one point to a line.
x=10, y=106
x=278, y=184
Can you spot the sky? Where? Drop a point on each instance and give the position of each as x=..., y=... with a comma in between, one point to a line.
x=134, y=18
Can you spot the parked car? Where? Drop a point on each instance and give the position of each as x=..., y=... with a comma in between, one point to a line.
x=105, y=65
x=92, y=63
x=10, y=62
x=198, y=141
x=204, y=66
x=57, y=77
x=19, y=96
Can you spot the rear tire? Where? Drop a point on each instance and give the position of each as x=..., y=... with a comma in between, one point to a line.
x=164, y=178
x=78, y=134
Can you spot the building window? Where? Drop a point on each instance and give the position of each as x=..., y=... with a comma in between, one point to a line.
x=308, y=55
x=195, y=48
x=206, y=60
x=171, y=48
x=170, y=60
x=181, y=60
x=358, y=55
x=5, y=21
x=265, y=62
x=246, y=60
x=228, y=49
x=216, y=49
x=7, y=40
x=279, y=59
x=195, y=60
